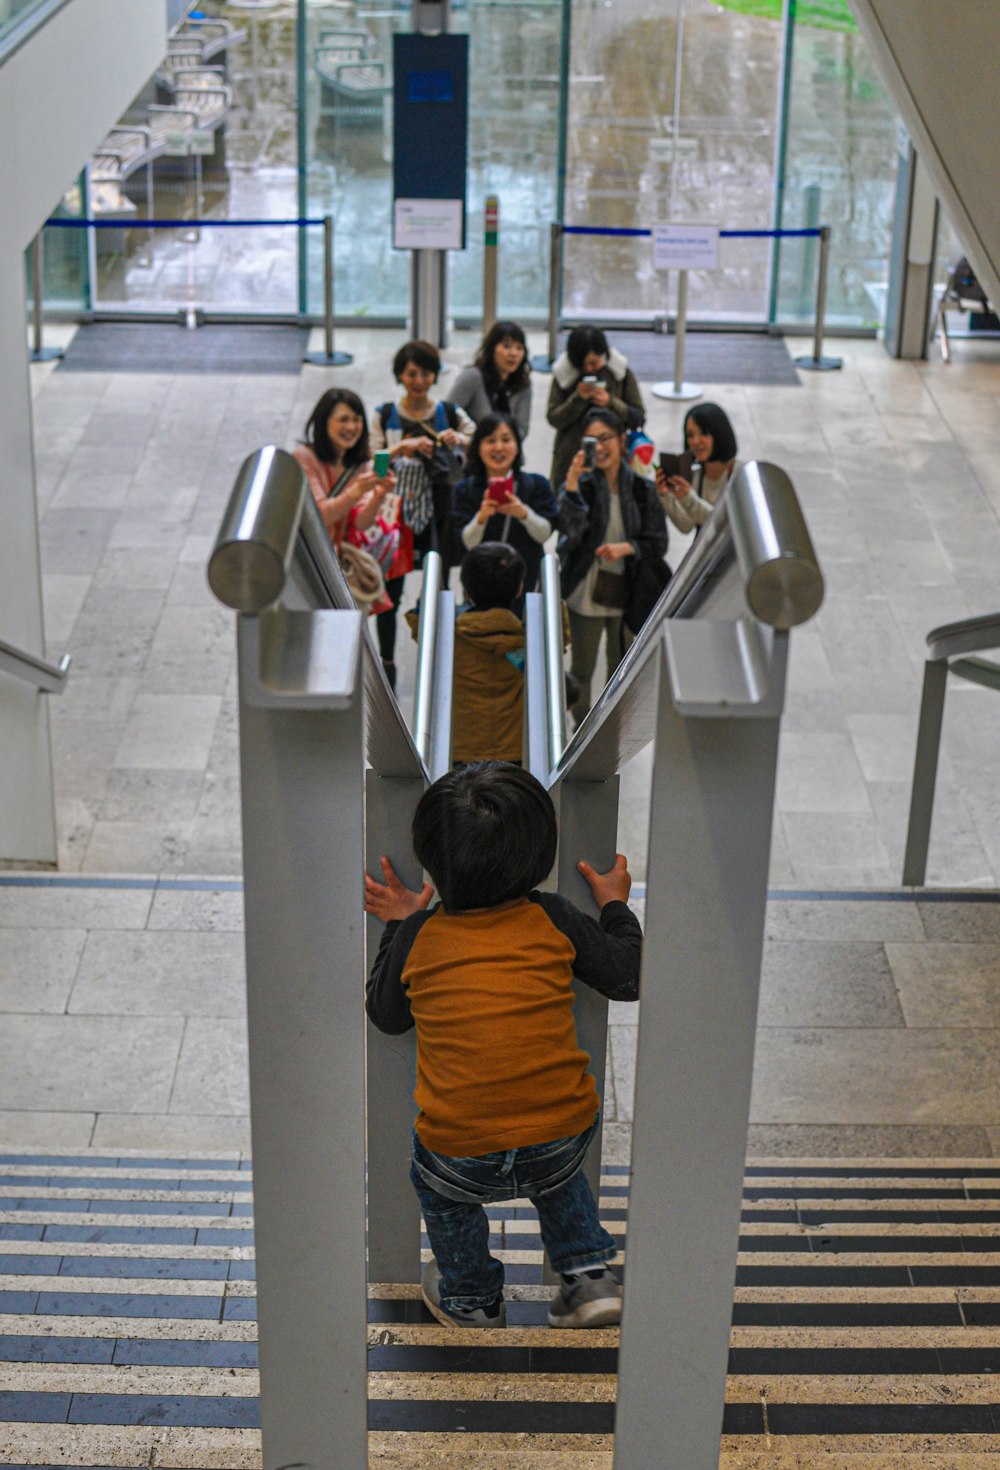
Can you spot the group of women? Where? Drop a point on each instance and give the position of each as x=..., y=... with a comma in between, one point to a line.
x=447, y=474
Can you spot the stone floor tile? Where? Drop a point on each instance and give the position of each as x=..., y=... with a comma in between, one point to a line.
x=961, y=923
x=37, y=968
x=832, y=983
x=192, y=652
x=219, y=910
x=819, y=773
x=170, y=731
x=135, y=567
x=956, y=857
x=150, y=847
x=884, y=1075
x=160, y=973
x=212, y=1075
x=63, y=596
x=824, y=842
x=46, y=1130
x=860, y=1140
x=947, y=984
x=74, y=541
x=88, y=1063
x=168, y=1131
x=884, y=745
x=164, y=796
x=74, y=907
x=812, y=920
x=92, y=490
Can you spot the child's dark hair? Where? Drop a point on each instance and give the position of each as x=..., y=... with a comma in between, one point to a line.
x=424, y=354
x=486, y=833
x=487, y=425
x=713, y=420
x=317, y=435
x=493, y=574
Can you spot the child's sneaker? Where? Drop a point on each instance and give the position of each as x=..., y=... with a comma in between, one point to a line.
x=590, y=1299
x=430, y=1290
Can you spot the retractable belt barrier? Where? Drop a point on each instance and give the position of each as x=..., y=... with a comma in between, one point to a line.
x=330, y=777
x=816, y=362
x=329, y=357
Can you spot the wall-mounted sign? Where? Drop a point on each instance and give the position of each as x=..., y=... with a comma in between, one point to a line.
x=428, y=224
x=685, y=247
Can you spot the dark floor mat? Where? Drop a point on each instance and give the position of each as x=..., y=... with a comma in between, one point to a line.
x=134, y=347
x=709, y=357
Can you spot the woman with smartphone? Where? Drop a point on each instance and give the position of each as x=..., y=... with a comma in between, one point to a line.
x=590, y=374
x=612, y=544
x=499, y=500
x=334, y=455
x=691, y=484
x=499, y=380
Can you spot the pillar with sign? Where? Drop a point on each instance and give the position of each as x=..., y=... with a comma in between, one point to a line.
x=430, y=151
x=682, y=248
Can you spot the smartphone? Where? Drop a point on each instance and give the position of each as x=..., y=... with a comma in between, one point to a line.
x=500, y=489
x=591, y=379
x=381, y=463
x=589, y=447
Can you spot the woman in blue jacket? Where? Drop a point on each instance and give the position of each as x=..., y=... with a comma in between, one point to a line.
x=499, y=501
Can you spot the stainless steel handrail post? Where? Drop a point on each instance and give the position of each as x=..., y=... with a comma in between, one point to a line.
x=426, y=641
x=554, y=674
x=678, y=389
x=328, y=357
x=39, y=353
x=817, y=362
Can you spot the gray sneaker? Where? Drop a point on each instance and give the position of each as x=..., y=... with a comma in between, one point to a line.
x=430, y=1290
x=592, y=1300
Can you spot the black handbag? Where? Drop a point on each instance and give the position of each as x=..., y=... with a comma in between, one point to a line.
x=609, y=590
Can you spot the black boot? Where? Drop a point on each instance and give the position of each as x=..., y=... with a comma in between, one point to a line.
x=390, y=673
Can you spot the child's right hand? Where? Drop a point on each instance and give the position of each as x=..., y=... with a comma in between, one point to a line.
x=392, y=899
x=612, y=886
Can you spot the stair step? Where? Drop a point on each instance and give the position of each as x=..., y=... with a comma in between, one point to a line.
x=865, y=1322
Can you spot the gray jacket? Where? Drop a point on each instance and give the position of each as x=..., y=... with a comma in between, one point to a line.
x=469, y=392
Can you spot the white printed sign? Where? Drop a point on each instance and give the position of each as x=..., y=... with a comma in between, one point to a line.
x=427, y=224
x=685, y=247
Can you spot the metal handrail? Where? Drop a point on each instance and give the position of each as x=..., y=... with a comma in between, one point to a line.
x=272, y=546
x=554, y=676
x=948, y=648
x=758, y=522
x=48, y=677
x=971, y=635
x=426, y=643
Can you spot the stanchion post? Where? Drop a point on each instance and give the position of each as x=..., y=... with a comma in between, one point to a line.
x=491, y=239
x=678, y=389
x=38, y=352
x=817, y=363
x=542, y=363
x=328, y=357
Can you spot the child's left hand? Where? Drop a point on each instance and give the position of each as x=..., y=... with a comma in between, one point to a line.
x=392, y=899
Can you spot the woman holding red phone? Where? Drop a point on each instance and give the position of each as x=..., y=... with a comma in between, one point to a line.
x=499, y=501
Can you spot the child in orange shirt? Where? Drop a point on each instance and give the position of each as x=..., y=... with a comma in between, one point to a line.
x=507, y=1105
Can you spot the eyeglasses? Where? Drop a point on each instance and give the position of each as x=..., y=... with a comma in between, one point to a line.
x=603, y=438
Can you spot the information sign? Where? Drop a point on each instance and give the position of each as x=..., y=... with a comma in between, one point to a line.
x=428, y=224
x=202, y=141
x=685, y=247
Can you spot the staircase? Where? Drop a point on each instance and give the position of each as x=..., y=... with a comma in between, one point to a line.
x=865, y=1323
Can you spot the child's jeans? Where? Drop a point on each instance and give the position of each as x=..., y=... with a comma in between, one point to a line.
x=452, y=1194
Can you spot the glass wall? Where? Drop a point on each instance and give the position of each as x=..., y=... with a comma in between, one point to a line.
x=839, y=168
x=670, y=113
x=650, y=141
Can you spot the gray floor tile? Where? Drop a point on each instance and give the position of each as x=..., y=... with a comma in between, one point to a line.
x=150, y=847
x=825, y=843
x=88, y=1063
x=160, y=973
x=811, y=920
x=46, y=1130
x=961, y=923
x=947, y=984
x=819, y=773
x=169, y=731
x=836, y=983
x=859, y=1141
x=74, y=908
x=212, y=1074
x=167, y=1131
x=174, y=909
x=64, y=595
x=37, y=968
x=900, y=1076
x=138, y=795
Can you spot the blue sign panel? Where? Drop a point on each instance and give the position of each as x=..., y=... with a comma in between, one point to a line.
x=430, y=118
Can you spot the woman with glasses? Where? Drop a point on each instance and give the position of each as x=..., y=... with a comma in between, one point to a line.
x=613, y=538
